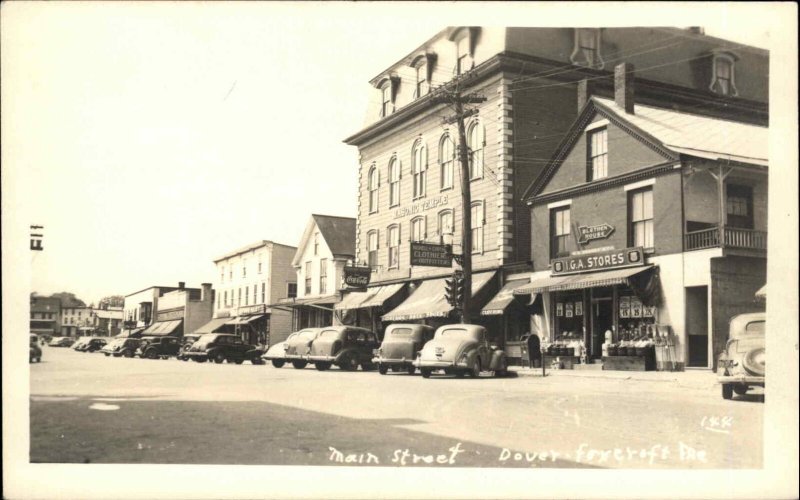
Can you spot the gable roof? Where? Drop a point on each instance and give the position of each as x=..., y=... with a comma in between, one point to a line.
x=671, y=133
x=339, y=234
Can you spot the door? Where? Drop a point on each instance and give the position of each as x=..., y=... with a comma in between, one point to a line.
x=602, y=320
x=697, y=326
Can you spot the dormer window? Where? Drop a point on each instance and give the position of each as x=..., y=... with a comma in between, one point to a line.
x=386, y=99
x=587, y=48
x=422, y=86
x=722, y=81
x=464, y=61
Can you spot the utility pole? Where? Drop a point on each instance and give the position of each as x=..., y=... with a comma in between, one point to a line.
x=451, y=94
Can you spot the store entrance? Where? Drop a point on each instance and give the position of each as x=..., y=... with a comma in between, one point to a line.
x=697, y=326
x=602, y=321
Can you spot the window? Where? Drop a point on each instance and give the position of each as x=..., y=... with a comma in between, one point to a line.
x=722, y=81
x=373, y=189
x=475, y=143
x=291, y=290
x=323, y=276
x=418, y=229
x=230, y=275
x=394, y=246
x=598, y=154
x=739, y=205
x=372, y=249
x=263, y=293
x=219, y=301
x=418, y=168
x=386, y=99
x=463, y=54
x=239, y=298
x=586, y=51
x=559, y=232
x=244, y=268
x=316, y=243
x=247, y=295
x=640, y=208
x=259, y=264
x=394, y=182
x=476, y=225
x=308, y=278
x=255, y=294
x=421, y=69
x=222, y=275
x=446, y=157
x=225, y=297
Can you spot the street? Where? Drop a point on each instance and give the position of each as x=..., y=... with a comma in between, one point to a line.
x=89, y=408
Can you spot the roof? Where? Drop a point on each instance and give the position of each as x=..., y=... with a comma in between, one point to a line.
x=697, y=135
x=339, y=234
x=248, y=248
x=108, y=313
x=45, y=304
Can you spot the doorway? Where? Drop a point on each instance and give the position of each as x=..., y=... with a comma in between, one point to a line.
x=697, y=326
x=602, y=321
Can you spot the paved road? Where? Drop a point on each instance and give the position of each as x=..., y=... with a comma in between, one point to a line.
x=90, y=408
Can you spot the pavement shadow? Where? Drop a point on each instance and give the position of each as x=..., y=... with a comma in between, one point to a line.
x=246, y=433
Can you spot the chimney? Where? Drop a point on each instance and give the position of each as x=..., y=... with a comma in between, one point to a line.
x=181, y=285
x=697, y=30
x=585, y=91
x=623, y=86
x=206, y=293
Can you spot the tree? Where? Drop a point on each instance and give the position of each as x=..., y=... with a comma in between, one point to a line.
x=68, y=299
x=112, y=301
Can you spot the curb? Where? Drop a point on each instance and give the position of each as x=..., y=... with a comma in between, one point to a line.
x=598, y=375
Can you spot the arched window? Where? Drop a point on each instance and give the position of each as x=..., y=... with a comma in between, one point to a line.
x=446, y=160
x=419, y=168
x=421, y=81
x=372, y=249
x=418, y=229
x=476, y=139
x=372, y=187
x=477, y=223
x=393, y=242
x=386, y=99
x=445, y=224
x=394, y=182
x=722, y=79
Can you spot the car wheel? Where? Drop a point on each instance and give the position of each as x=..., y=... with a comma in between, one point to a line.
x=257, y=361
x=278, y=363
x=107, y=354
x=382, y=369
x=740, y=390
x=475, y=372
x=502, y=372
x=460, y=374
x=238, y=361
x=219, y=358
x=426, y=372
x=201, y=360
x=367, y=367
x=727, y=391
x=322, y=366
x=299, y=364
x=349, y=363
x=411, y=369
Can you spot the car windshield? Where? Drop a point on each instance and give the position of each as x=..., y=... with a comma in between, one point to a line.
x=401, y=332
x=755, y=328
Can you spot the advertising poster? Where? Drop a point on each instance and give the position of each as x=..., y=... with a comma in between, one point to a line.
x=578, y=308
x=568, y=309
x=559, y=309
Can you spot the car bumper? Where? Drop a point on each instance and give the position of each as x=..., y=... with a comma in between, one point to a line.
x=291, y=357
x=330, y=359
x=392, y=361
x=194, y=354
x=740, y=379
x=427, y=363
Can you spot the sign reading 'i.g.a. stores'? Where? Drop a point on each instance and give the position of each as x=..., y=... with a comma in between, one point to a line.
x=612, y=259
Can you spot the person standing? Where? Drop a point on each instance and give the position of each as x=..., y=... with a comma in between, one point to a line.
x=534, y=349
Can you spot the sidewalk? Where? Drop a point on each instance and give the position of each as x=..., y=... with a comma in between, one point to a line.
x=697, y=379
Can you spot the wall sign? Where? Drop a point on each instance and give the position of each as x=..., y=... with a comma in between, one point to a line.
x=589, y=233
x=357, y=276
x=428, y=254
x=171, y=314
x=614, y=259
x=421, y=206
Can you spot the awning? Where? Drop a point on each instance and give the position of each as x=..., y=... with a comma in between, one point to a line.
x=210, y=327
x=308, y=301
x=129, y=333
x=428, y=300
x=579, y=281
x=503, y=299
x=162, y=327
x=244, y=320
x=372, y=297
x=762, y=292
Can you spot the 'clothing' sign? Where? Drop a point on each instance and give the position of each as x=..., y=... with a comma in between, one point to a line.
x=627, y=257
x=428, y=254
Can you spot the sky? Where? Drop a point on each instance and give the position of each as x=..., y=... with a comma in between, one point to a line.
x=149, y=138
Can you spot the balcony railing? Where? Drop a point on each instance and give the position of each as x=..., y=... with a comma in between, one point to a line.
x=734, y=237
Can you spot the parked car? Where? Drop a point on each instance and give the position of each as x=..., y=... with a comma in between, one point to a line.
x=347, y=347
x=221, y=347
x=742, y=364
x=158, y=347
x=276, y=354
x=461, y=349
x=92, y=344
x=400, y=345
x=62, y=342
x=121, y=347
x=299, y=346
x=186, y=343
x=80, y=344
x=35, y=350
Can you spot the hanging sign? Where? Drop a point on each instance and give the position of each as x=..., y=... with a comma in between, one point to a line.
x=357, y=276
x=614, y=259
x=431, y=255
x=589, y=233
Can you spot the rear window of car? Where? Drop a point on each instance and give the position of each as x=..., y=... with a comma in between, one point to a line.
x=306, y=335
x=329, y=334
x=755, y=327
x=453, y=332
x=401, y=332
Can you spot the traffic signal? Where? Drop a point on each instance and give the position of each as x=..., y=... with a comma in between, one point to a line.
x=459, y=290
x=450, y=290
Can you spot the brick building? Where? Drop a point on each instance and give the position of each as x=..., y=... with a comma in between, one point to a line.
x=181, y=311
x=138, y=310
x=534, y=80
x=649, y=218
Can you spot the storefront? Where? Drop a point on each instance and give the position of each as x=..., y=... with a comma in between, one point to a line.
x=251, y=324
x=509, y=315
x=309, y=312
x=364, y=308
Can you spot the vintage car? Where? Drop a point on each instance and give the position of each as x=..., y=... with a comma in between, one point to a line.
x=158, y=347
x=121, y=347
x=401, y=343
x=347, y=347
x=186, y=343
x=35, y=350
x=743, y=362
x=298, y=347
x=276, y=354
x=80, y=344
x=461, y=349
x=62, y=342
x=219, y=347
x=91, y=344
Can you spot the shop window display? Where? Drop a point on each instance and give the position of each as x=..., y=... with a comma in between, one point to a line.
x=569, y=326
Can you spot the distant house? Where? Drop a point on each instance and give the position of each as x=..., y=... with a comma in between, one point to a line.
x=45, y=315
x=107, y=321
x=76, y=320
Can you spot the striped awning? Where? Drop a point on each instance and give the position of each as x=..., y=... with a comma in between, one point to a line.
x=210, y=327
x=503, y=299
x=244, y=320
x=579, y=281
x=162, y=328
x=762, y=292
x=372, y=297
x=428, y=300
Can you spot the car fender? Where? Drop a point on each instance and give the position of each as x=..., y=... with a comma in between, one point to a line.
x=498, y=361
x=346, y=352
